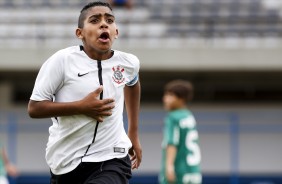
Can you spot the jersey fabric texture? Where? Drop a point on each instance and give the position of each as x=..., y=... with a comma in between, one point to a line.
x=180, y=131
x=70, y=75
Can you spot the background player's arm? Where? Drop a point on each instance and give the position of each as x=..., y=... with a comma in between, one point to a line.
x=170, y=158
x=10, y=168
x=132, y=102
x=90, y=106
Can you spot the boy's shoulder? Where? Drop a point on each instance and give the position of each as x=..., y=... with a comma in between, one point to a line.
x=69, y=50
x=125, y=55
x=60, y=55
x=180, y=112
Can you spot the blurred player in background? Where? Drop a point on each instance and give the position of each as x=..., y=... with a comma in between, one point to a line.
x=6, y=167
x=122, y=3
x=83, y=89
x=181, y=155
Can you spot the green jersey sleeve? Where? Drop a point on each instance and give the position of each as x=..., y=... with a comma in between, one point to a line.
x=171, y=131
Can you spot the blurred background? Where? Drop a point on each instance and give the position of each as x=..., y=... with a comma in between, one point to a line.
x=230, y=49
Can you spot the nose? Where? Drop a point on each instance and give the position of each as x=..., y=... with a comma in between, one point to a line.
x=104, y=24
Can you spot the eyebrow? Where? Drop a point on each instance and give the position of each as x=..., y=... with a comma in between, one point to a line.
x=100, y=15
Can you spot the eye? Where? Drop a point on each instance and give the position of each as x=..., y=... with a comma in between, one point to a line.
x=94, y=21
x=110, y=21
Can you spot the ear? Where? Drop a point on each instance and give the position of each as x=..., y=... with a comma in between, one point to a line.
x=78, y=33
x=116, y=36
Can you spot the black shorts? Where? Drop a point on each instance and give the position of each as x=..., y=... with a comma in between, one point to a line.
x=115, y=171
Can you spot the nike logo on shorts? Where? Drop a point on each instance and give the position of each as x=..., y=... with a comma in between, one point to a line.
x=82, y=74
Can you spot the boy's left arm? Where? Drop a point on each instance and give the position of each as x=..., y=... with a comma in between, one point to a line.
x=132, y=102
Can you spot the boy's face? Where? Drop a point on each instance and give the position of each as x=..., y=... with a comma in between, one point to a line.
x=172, y=102
x=99, y=30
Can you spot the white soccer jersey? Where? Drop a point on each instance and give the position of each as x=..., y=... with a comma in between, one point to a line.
x=70, y=75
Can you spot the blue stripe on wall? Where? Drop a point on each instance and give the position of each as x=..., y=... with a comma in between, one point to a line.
x=153, y=179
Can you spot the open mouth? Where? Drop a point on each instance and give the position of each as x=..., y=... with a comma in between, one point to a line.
x=104, y=36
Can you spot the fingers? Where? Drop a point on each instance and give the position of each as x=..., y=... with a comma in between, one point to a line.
x=104, y=101
x=136, y=157
x=106, y=108
x=98, y=90
x=107, y=104
x=132, y=158
x=96, y=108
x=135, y=163
x=138, y=162
x=99, y=118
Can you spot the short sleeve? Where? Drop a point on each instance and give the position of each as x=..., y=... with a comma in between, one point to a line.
x=134, y=73
x=171, y=131
x=49, y=78
x=134, y=81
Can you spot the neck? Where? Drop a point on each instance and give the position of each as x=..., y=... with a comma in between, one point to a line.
x=98, y=55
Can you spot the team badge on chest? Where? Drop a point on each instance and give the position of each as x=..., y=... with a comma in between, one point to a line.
x=118, y=74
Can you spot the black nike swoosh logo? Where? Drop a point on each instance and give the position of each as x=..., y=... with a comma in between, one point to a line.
x=80, y=75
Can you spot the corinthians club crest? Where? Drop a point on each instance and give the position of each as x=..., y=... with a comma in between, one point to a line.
x=118, y=74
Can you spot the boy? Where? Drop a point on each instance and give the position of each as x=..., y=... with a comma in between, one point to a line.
x=6, y=167
x=181, y=153
x=83, y=89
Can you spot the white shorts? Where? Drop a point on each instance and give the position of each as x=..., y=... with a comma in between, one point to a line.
x=3, y=180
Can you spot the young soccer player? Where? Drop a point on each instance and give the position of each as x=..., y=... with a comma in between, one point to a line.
x=83, y=89
x=6, y=167
x=181, y=152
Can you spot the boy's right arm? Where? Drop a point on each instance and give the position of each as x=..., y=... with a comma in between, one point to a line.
x=90, y=106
